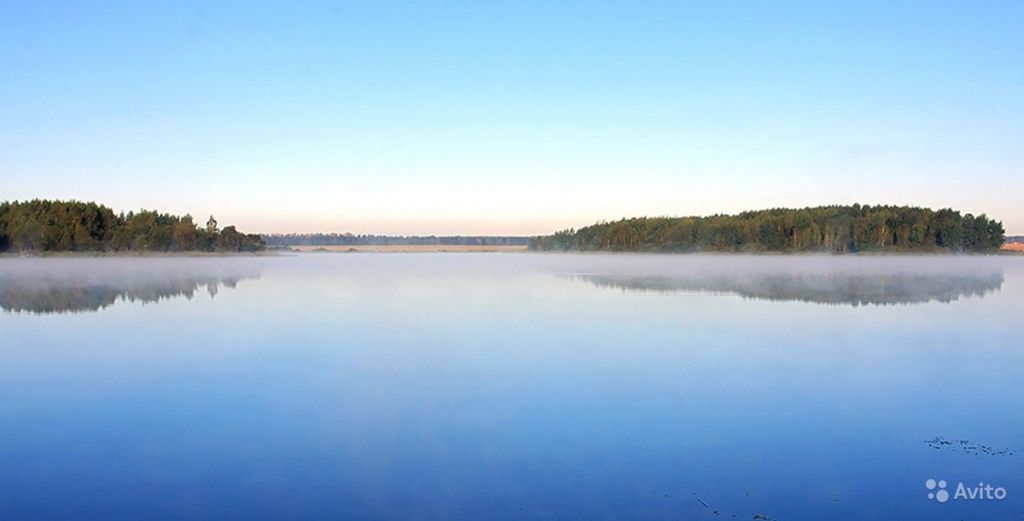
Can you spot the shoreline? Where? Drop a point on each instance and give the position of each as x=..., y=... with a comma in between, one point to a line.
x=155, y=254
x=389, y=249
x=409, y=248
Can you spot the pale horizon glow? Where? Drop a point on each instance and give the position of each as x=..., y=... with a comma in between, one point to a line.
x=495, y=119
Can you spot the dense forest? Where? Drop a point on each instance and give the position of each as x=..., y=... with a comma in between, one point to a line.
x=58, y=226
x=853, y=228
x=348, y=239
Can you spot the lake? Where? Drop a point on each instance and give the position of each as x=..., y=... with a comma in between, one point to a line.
x=511, y=386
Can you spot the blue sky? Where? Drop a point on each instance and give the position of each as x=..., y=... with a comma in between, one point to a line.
x=510, y=117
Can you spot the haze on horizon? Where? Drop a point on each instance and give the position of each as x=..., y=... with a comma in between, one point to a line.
x=490, y=118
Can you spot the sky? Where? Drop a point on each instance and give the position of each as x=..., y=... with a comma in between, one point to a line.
x=510, y=117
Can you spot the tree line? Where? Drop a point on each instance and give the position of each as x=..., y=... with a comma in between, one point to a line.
x=56, y=226
x=834, y=228
x=348, y=239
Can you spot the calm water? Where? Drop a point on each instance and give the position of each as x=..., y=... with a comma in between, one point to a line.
x=515, y=386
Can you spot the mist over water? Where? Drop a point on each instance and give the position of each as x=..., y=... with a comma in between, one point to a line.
x=509, y=386
x=68, y=285
x=62, y=285
x=824, y=280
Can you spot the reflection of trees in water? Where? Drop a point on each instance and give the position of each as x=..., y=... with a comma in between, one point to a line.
x=50, y=291
x=849, y=288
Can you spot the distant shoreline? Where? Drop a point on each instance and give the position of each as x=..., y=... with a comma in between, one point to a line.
x=411, y=248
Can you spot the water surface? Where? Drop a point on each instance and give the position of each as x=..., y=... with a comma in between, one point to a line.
x=509, y=386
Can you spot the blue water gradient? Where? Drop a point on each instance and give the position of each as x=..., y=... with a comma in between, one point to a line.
x=509, y=386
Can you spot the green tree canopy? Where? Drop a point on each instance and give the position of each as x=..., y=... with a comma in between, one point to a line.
x=824, y=228
x=44, y=226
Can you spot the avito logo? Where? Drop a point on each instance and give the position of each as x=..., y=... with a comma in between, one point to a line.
x=986, y=492
x=942, y=495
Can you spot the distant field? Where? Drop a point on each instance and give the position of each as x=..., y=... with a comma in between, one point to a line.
x=1013, y=246
x=409, y=248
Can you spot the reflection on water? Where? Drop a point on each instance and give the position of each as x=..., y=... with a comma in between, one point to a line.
x=55, y=286
x=836, y=288
x=819, y=280
x=67, y=285
x=463, y=386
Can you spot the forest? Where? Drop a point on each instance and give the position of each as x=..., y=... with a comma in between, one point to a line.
x=40, y=226
x=839, y=229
